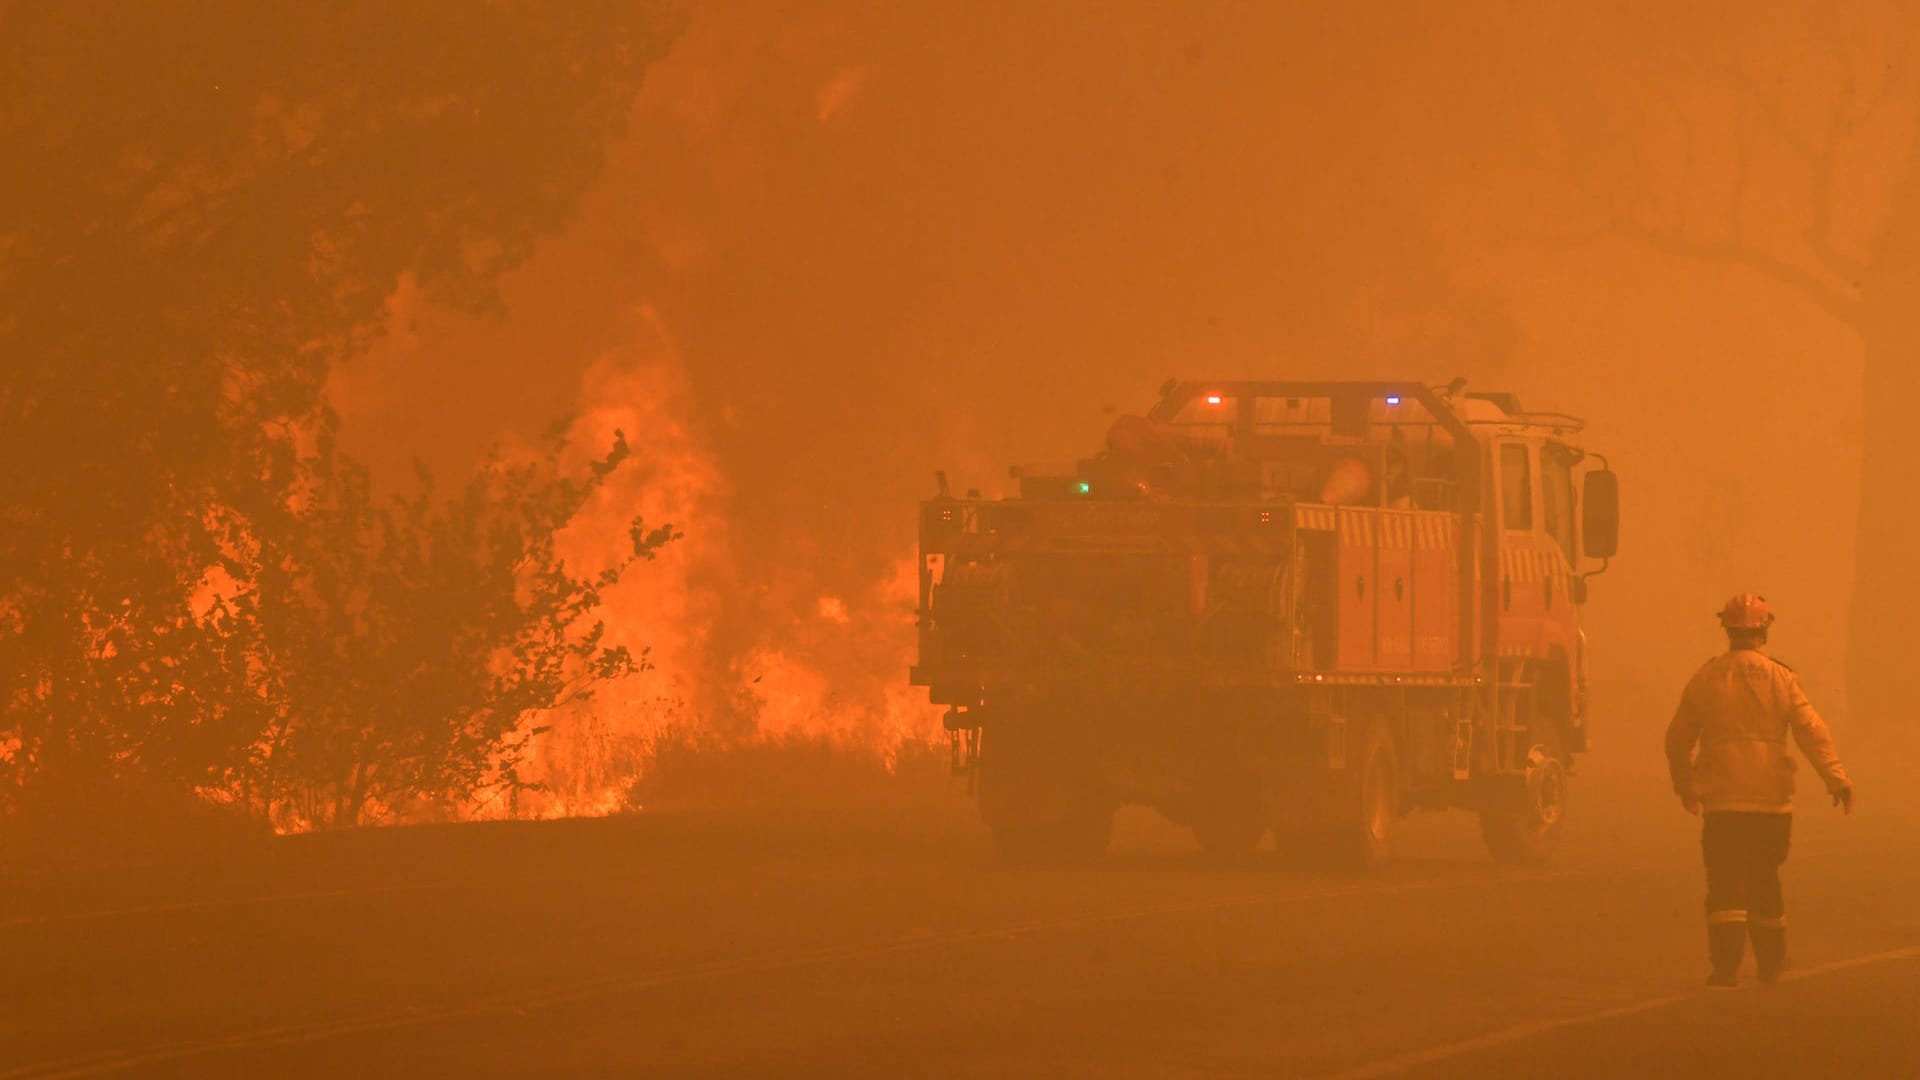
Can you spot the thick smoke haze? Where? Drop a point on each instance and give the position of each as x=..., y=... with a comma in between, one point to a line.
x=465, y=537
x=888, y=240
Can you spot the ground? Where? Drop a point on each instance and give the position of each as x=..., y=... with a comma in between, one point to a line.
x=836, y=942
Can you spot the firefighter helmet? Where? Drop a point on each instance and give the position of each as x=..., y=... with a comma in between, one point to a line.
x=1747, y=611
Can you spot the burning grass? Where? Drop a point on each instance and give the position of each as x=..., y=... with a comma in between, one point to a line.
x=798, y=770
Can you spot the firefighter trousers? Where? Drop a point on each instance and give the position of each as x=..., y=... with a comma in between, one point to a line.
x=1743, y=853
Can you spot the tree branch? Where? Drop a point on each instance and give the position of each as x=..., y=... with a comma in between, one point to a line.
x=1841, y=304
x=1820, y=154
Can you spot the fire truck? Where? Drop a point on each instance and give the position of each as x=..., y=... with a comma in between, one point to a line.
x=1304, y=608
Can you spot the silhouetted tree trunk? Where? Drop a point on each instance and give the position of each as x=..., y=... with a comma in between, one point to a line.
x=1884, y=621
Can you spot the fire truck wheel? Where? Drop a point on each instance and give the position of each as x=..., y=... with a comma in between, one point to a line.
x=1299, y=819
x=1042, y=798
x=1367, y=804
x=1301, y=848
x=1082, y=838
x=1524, y=825
x=1229, y=827
x=1379, y=801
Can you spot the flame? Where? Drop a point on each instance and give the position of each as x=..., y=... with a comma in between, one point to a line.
x=834, y=672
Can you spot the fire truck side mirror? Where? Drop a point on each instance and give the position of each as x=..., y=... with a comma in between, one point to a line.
x=1600, y=517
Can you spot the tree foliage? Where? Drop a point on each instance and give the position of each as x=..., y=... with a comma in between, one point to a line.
x=405, y=646
x=205, y=207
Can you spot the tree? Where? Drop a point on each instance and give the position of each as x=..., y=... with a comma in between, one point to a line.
x=403, y=649
x=1766, y=117
x=205, y=207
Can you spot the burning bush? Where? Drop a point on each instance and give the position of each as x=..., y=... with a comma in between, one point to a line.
x=405, y=649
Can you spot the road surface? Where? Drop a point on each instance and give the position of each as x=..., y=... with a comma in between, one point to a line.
x=842, y=943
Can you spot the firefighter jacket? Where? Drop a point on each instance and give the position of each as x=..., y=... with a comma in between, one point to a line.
x=1727, y=745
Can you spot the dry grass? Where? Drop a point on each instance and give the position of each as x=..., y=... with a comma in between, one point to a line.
x=797, y=772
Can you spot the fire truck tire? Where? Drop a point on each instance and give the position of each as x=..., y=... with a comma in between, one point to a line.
x=1358, y=811
x=1080, y=839
x=1229, y=827
x=1523, y=825
x=1301, y=848
x=1301, y=810
x=1041, y=800
x=1367, y=800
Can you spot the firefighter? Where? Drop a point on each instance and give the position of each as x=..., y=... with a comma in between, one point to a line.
x=1727, y=753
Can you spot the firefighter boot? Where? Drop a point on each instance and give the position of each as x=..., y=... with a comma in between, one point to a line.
x=1769, y=950
x=1727, y=946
